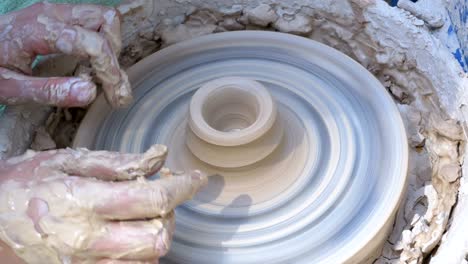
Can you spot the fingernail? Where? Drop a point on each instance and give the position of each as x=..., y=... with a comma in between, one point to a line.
x=157, y=151
x=83, y=92
x=160, y=244
x=199, y=176
x=165, y=172
x=196, y=175
x=124, y=91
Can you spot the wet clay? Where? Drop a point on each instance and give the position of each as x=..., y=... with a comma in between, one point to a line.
x=52, y=217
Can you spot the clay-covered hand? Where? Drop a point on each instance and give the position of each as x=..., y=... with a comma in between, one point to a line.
x=87, y=31
x=81, y=206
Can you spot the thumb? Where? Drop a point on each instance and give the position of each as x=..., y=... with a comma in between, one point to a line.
x=59, y=91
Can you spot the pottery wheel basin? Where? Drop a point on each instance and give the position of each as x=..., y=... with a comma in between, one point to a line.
x=323, y=189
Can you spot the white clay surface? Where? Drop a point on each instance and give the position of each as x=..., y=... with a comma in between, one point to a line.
x=231, y=111
x=332, y=200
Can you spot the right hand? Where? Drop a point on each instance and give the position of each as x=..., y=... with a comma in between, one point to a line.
x=86, y=207
x=86, y=31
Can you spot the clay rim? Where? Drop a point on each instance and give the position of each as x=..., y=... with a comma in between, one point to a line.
x=266, y=113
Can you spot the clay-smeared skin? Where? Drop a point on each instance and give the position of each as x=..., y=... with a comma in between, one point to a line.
x=68, y=205
x=87, y=31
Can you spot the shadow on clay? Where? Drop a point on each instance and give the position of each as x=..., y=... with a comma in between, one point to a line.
x=242, y=205
x=211, y=190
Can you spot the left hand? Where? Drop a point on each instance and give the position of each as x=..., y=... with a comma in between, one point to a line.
x=86, y=31
x=85, y=206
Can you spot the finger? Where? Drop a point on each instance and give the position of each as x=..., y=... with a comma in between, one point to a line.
x=138, y=199
x=148, y=199
x=93, y=17
x=54, y=36
x=97, y=18
x=64, y=91
x=109, y=166
x=133, y=240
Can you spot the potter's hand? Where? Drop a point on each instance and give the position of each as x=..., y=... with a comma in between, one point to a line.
x=78, y=205
x=87, y=31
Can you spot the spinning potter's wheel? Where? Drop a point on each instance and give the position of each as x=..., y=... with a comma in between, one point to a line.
x=319, y=184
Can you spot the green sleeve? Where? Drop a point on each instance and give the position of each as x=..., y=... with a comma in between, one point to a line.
x=11, y=5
